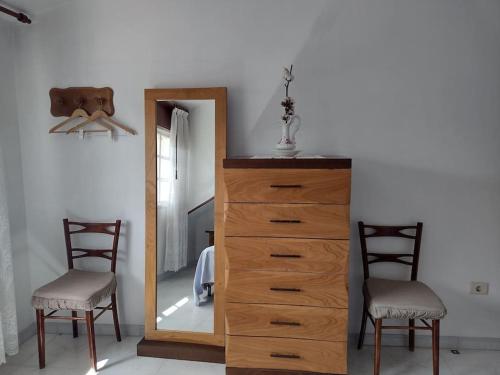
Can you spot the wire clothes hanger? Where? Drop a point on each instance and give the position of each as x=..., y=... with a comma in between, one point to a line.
x=103, y=119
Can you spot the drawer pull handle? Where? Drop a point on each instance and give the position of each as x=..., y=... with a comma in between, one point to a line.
x=288, y=356
x=286, y=256
x=285, y=221
x=285, y=289
x=286, y=186
x=282, y=323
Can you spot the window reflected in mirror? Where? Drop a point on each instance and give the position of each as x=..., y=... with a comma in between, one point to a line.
x=185, y=170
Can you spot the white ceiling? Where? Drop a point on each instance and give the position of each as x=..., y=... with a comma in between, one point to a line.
x=32, y=7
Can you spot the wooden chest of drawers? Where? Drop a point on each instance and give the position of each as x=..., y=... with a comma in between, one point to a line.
x=286, y=224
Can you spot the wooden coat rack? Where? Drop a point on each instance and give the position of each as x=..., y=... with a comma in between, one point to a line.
x=91, y=104
x=63, y=102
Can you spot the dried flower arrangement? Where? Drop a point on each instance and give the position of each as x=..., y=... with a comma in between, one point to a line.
x=287, y=103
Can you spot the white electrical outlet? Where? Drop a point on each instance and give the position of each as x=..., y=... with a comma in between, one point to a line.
x=479, y=287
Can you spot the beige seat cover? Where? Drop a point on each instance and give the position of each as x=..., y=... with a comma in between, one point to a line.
x=75, y=290
x=395, y=299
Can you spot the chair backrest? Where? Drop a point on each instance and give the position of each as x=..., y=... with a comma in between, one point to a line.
x=112, y=229
x=390, y=231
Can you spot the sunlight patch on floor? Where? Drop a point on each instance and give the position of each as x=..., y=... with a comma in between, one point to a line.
x=100, y=365
x=175, y=307
x=182, y=302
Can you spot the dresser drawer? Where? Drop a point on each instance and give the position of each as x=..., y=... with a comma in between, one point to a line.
x=301, y=322
x=287, y=288
x=287, y=220
x=288, y=185
x=286, y=254
x=286, y=354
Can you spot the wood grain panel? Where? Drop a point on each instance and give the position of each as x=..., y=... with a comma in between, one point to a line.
x=287, y=288
x=264, y=371
x=182, y=351
x=292, y=354
x=286, y=254
x=288, y=185
x=150, y=236
x=301, y=322
x=287, y=220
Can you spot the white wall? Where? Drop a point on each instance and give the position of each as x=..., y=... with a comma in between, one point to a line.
x=12, y=170
x=408, y=89
x=201, y=152
x=201, y=174
x=199, y=221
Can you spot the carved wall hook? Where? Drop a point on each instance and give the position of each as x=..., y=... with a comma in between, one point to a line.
x=65, y=101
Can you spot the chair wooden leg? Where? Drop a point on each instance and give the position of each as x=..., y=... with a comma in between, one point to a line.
x=435, y=347
x=89, y=318
x=74, y=314
x=40, y=330
x=378, y=344
x=411, y=335
x=361, y=338
x=115, y=317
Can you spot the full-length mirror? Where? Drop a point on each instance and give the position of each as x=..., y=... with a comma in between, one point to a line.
x=185, y=146
x=185, y=164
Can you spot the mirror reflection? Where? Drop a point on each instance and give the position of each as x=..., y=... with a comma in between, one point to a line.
x=185, y=164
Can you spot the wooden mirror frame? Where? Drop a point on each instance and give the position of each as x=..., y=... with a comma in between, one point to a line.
x=152, y=96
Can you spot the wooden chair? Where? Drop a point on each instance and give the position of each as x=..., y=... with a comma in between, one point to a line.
x=394, y=299
x=79, y=290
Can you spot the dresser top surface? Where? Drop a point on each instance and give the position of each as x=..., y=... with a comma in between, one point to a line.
x=324, y=162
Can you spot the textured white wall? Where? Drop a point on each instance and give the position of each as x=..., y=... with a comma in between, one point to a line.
x=201, y=175
x=12, y=170
x=201, y=153
x=408, y=89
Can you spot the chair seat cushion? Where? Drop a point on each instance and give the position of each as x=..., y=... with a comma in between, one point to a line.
x=75, y=290
x=395, y=299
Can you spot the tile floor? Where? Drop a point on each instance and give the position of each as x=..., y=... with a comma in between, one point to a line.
x=68, y=356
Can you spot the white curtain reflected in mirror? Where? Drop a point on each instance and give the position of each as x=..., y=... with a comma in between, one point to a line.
x=185, y=161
